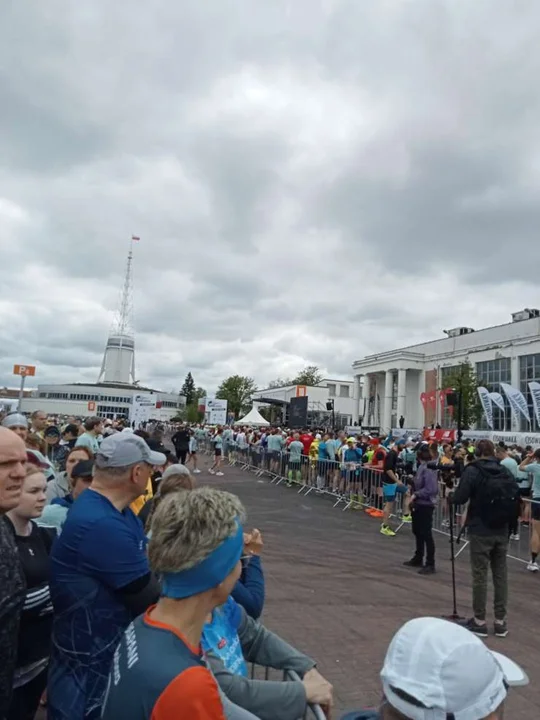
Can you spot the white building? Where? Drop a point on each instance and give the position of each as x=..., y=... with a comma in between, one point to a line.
x=394, y=381
x=107, y=400
x=340, y=393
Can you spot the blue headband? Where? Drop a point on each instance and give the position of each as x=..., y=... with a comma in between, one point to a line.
x=207, y=574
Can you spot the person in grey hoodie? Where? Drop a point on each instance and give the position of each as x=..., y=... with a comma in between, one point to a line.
x=423, y=501
x=231, y=640
x=60, y=486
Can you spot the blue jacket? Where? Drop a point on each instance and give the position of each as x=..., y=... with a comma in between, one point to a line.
x=249, y=591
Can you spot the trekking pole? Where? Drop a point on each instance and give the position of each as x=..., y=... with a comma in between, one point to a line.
x=454, y=616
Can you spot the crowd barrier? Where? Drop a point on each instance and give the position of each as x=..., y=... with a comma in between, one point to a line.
x=258, y=672
x=358, y=487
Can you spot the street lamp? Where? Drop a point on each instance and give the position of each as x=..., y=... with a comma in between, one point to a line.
x=330, y=405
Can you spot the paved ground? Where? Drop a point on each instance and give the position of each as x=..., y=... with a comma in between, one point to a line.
x=337, y=590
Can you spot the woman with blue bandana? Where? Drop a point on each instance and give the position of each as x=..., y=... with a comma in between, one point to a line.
x=159, y=670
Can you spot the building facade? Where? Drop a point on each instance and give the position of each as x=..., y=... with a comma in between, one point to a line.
x=410, y=382
x=106, y=400
x=339, y=393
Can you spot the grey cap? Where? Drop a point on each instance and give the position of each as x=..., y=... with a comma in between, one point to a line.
x=15, y=420
x=177, y=469
x=124, y=449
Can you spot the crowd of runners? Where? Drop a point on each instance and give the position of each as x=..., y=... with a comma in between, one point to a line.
x=111, y=556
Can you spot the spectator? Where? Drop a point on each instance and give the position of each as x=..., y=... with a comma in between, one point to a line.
x=296, y=448
x=39, y=422
x=12, y=586
x=492, y=495
x=17, y=423
x=423, y=501
x=180, y=440
x=69, y=437
x=392, y=485
x=54, y=515
x=61, y=485
x=436, y=669
x=53, y=450
x=34, y=545
x=231, y=640
x=196, y=546
x=93, y=428
x=175, y=478
x=100, y=578
x=531, y=465
x=274, y=445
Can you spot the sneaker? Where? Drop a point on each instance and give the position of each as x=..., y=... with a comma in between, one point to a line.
x=500, y=628
x=476, y=628
x=385, y=530
x=533, y=567
x=196, y=471
x=413, y=562
x=406, y=518
x=376, y=513
x=212, y=472
x=514, y=536
x=220, y=474
x=427, y=570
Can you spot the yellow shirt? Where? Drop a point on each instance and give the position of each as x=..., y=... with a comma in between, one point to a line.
x=138, y=504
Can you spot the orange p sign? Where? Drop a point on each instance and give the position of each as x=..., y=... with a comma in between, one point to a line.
x=91, y=406
x=24, y=370
x=301, y=390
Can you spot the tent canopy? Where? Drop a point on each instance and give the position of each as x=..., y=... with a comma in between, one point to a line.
x=253, y=417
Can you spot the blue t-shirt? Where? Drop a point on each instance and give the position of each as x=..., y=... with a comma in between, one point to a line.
x=275, y=443
x=296, y=449
x=534, y=470
x=220, y=636
x=323, y=452
x=99, y=551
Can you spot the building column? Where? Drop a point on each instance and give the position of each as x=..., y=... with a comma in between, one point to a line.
x=514, y=382
x=357, y=397
x=401, y=394
x=386, y=420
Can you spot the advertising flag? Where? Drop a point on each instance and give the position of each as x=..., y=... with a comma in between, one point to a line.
x=487, y=407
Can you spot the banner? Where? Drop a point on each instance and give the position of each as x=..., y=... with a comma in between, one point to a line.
x=498, y=400
x=487, y=407
x=142, y=408
x=517, y=402
x=534, y=387
x=215, y=411
x=423, y=400
x=509, y=438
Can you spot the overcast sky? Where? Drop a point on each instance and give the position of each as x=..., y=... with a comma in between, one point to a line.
x=312, y=181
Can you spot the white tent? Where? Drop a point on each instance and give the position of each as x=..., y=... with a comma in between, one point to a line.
x=253, y=417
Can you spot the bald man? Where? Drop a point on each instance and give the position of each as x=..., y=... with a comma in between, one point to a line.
x=12, y=587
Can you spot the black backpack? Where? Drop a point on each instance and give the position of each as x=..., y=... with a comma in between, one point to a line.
x=497, y=499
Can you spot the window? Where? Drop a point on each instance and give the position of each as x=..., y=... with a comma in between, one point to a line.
x=344, y=391
x=529, y=371
x=491, y=374
x=331, y=390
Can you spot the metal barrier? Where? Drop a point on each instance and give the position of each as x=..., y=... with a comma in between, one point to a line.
x=357, y=487
x=312, y=711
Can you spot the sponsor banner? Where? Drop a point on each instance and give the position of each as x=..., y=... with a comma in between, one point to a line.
x=534, y=387
x=517, y=402
x=412, y=433
x=498, y=400
x=440, y=435
x=509, y=438
x=487, y=407
x=215, y=410
x=142, y=408
x=217, y=417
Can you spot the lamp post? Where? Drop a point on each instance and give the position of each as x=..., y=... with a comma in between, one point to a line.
x=330, y=405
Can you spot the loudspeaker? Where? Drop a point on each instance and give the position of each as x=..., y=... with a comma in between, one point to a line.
x=452, y=399
x=329, y=406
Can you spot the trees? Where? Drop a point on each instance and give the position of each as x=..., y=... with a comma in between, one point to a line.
x=237, y=390
x=310, y=375
x=188, y=389
x=280, y=382
x=463, y=380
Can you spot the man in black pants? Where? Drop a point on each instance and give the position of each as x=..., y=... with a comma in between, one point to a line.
x=180, y=440
x=423, y=500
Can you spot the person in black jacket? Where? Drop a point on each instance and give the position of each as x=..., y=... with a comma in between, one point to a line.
x=34, y=545
x=483, y=484
x=180, y=440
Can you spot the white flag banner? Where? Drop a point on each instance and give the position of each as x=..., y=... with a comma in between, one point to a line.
x=517, y=402
x=486, y=405
x=534, y=387
x=498, y=400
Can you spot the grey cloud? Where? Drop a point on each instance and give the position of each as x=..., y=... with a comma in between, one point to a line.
x=310, y=182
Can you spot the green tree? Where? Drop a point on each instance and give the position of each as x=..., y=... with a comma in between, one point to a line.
x=200, y=393
x=188, y=389
x=280, y=382
x=237, y=390
x=464, y=382
x=310, y=375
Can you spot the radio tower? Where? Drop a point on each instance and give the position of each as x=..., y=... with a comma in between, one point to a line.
x=118, y=364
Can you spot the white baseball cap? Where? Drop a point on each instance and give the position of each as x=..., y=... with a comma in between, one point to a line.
x=447, y=670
